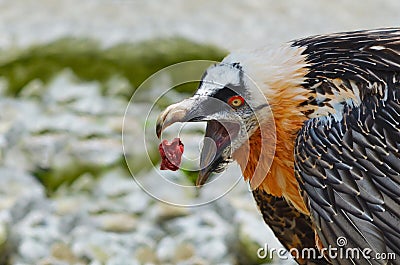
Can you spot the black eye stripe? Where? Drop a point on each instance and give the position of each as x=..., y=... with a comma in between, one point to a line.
x=224, y=94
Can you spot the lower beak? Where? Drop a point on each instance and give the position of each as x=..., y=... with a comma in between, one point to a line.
x=208, y=155
x=203, y=177
x=215, y=154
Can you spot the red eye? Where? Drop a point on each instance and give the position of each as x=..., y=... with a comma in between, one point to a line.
x=236, y=101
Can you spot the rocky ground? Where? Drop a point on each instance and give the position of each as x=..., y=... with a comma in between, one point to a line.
x=102, y=217
x=66, y=196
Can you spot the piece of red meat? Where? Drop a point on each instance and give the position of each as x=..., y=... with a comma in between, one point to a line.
x=171, y=154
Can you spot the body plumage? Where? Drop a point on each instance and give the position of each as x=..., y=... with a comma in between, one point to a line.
x=332, y=167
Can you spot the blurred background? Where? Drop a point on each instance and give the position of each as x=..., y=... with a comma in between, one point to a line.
x=67, y=71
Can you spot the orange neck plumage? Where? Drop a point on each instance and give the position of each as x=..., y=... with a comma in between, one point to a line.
x=279, y=180
x=270, y=166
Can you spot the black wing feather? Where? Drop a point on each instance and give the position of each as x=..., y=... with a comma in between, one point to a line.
x=349, y=168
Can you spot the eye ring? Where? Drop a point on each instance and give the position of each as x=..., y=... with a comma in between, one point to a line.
x=236, y=101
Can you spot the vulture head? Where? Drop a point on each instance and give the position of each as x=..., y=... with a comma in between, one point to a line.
x=231, y=104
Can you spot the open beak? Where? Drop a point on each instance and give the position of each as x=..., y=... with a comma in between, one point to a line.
x=215, y=154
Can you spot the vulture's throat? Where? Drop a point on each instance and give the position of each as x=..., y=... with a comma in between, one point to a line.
x=273, y=165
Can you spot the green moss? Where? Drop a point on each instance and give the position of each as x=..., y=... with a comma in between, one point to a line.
x=52, y=178
x=191, y=175
x=89, y=61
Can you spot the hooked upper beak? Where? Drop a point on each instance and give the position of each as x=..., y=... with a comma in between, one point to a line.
x=217, y=137
x=177, y=112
